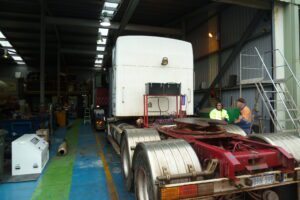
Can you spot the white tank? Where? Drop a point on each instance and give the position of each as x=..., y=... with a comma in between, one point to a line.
x=137, y=60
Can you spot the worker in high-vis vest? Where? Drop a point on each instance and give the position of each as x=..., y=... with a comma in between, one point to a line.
x=219, y=113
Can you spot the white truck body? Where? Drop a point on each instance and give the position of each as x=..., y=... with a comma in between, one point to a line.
x=137, y=60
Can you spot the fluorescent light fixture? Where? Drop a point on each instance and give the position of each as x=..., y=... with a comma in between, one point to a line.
x=100, y=48
x=17, y=58
x=111, y=5
x=21, y=62
x=1, y=35
x=107, y=12
x=100, y=56
x=102, y=42
x=12, y=51
x=98, y=61
x=5, y=43
x=105, y=22
x=103, y=31
x=98, y=66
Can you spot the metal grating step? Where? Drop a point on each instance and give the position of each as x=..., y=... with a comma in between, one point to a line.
x=275, y=92
x=284, y=120
x=286, y=100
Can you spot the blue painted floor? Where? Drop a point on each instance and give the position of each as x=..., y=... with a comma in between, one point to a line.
x=89, y=178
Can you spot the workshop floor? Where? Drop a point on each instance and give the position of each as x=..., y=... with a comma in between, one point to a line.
x=90, y=170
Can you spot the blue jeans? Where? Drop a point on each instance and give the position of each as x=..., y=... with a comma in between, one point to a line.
x=245, y=125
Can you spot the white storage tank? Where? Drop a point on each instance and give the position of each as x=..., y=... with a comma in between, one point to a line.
x=137, y=60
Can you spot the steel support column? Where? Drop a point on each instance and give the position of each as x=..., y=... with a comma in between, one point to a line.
x=58, y=73
x=128, y=14
x=291, y=44
x=42, y=55
x=286, y=38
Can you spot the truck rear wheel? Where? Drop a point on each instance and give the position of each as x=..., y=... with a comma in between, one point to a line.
x=130, y=138
x=154, y=159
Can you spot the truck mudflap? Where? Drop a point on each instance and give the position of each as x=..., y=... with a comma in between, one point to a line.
x=225, y=186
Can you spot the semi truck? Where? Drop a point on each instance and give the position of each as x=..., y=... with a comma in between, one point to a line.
x=168, y=154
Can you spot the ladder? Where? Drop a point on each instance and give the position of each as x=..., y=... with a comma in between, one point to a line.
x=276, y=97
x=87, y=116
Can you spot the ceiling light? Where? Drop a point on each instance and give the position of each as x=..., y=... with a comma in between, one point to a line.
x=105, y=13
x=5, y=43
x=1, y=35
x=111, y=5
x=99, y=56
x=210, y=35
x=105, y=22
x=11, y=51
x=21, y=63
x=100, y=48
x=98, y=61
x=98, y=66
x=5, y=55
x=17, y=58
x=103, y=31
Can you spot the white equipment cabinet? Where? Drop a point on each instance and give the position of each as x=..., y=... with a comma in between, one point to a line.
x=29, y=155
x=137, y=60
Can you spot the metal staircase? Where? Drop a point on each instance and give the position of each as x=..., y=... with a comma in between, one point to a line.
x=274, y=93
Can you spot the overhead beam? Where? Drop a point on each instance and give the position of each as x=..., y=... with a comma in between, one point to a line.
x=194, y=13
x=128, y=14
x=209, y=16
x=63, y=21
x=235, y=52
x=42, y=54
x=114, y=25
x=9, y=23
x=258, y=4
x=80, y=51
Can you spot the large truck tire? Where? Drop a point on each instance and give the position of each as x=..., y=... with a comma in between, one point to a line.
x=130, y=138
x=154, y=159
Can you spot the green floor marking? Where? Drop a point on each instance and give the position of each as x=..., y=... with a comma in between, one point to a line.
x=56, y=181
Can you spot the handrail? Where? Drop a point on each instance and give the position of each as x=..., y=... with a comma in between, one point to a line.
x=280, y=96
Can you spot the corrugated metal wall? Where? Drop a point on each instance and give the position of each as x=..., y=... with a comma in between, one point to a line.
x=233, y=22
x=263, y=44
x=201, y=69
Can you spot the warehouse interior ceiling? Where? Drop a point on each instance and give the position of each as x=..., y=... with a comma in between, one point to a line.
x=72, y=26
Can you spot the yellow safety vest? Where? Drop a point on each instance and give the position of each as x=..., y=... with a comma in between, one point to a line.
x=218, y=114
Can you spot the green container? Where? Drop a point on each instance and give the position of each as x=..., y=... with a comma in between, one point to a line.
x=2, y=142
x=233, y=114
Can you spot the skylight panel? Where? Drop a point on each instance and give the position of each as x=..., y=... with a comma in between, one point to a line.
x=110, y=5
x=1, y=35
x=98, y=61
x=107, y=12
x=17, y=58
x=100, y=48
x=5, y=43
x=103, y=31
x=100, y=56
